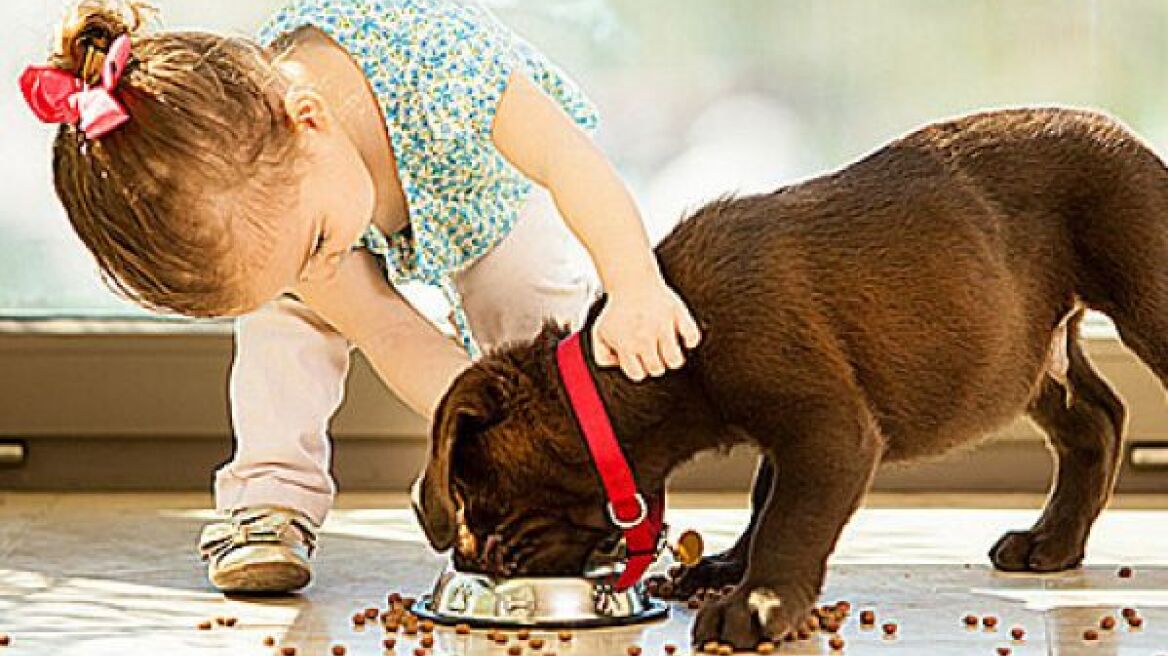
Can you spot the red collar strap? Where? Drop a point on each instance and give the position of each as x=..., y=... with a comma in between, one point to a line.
x=627, y=509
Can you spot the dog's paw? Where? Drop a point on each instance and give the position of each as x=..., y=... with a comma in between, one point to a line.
x=1034, y=551
x=712, y=572
x=748, y=616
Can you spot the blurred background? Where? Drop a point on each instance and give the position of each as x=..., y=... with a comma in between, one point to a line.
x=699, y=97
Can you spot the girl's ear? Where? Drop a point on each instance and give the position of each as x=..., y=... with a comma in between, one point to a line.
x=306, y=109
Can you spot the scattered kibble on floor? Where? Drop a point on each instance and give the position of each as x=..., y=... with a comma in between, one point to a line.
x=1017, y=633
x=339, y=650
x=868, y=617
x=1090, y=634
x=889, y=628
x=836, y=643
x=970, y=620
x=1125, y=572
x=989, y=621
x=1107, y=623
x=1003, y=651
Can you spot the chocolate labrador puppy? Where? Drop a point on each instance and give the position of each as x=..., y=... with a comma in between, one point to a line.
x=911, y=302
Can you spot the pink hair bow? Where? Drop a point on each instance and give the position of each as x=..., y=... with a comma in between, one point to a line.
x=58, y=96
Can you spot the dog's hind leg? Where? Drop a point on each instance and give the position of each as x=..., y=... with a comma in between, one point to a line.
x=1084, y=423
x=726, y=568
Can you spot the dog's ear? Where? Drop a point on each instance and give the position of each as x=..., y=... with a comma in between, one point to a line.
x=472, y=404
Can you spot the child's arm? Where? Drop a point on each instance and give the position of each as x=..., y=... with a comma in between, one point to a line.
x=639, y=327
x=410, y=355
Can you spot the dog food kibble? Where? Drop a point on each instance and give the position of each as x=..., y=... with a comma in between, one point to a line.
x=671, y=649
x=427, y=641
x=389, y=643
x=1107, y=623
x=419, y=651
x=1017, y=633
x=501, y=638
x=232, y=621
x=339, y=650
x=836, y=643
x=989, y=621
x=288, y=651
x=1128, y=612
x=371, y=613
x=831, y=626
x=5, y=640
x=427, y=626
x=536, y=643
x=221, y=621
x=565, y=636
x=867, y=617
x=765, y=648
x=843, y=607
x=205, y=626
x=1125, y=572
x=269, y=641
x=462, y=629
x=515, y=650
x=523, y=634
x=634, y=650
x=1003, y=651
x=1090, y=634
x=1135, y=621
x=358, y=619
x=889, y=628
x=394, y=599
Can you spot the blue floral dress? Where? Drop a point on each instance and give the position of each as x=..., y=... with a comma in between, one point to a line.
x=438, y=69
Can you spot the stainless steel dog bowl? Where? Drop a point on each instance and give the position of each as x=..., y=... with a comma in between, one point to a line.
x=551, y=602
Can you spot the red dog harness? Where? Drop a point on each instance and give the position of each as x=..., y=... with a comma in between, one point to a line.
x=627, y=509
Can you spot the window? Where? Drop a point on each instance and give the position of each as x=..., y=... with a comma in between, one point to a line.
x=699, y=98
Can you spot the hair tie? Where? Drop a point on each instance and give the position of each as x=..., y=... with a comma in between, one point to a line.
x=59, y=96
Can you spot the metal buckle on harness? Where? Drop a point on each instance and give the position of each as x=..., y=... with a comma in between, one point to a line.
x=642, y=513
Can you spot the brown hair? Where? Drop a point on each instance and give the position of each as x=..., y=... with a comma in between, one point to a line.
x=158, y=200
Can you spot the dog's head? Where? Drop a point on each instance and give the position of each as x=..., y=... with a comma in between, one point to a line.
x=509, y=482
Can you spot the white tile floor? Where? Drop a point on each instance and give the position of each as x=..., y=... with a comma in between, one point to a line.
x=117, y=574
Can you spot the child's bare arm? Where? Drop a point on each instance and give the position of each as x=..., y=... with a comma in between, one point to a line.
x=639, y=328
x=410, y=355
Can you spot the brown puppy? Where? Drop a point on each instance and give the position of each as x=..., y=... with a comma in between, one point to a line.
x=916, y=300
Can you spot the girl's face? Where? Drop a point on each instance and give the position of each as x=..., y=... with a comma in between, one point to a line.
x=332, y=206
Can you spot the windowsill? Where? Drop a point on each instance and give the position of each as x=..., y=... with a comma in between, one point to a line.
x=1096, y=328
x=90, y=325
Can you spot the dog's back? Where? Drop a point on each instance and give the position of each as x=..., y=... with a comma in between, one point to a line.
x=930, y=275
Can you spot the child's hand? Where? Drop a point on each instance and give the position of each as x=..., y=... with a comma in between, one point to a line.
x=639, y=328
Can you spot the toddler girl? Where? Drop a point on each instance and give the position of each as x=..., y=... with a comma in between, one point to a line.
x=295, y=180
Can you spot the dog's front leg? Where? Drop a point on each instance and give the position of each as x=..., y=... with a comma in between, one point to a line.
x=822, y=475
x=726, y=568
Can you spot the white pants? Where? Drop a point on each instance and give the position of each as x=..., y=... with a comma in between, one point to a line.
x=288, y=376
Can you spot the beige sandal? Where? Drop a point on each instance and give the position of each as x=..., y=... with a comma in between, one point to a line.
x=262, y=549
